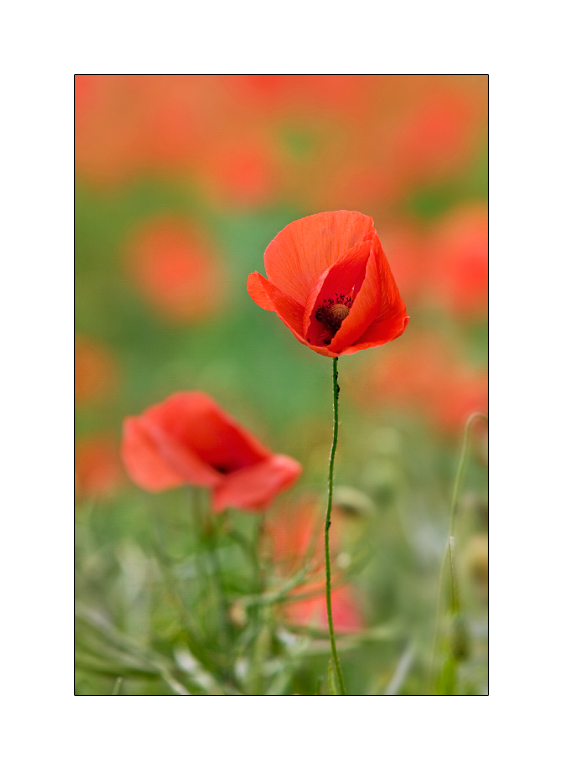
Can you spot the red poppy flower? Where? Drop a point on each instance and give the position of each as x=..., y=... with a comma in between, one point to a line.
x=291, y=530
x=95, y=371
x=440, y=125
x=330, y=283
x=288, y=94
x=97, y=469
x=241, y=169
x=459, y=270
x=128, y=125
x=188, y=439
x=427, y=377
x=311, y=611
x=175, y=268
x=290, y=534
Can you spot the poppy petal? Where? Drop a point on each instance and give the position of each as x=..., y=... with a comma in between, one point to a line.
x=195, y=422
x=256, y=291
x=391, y=301
x=253, y=488
x=378, y=333
x=304, y=249
x=289, y=311
x=145, y=463
x=365, y=308
x=377, y=300
x=344, y=277
x=181, y=458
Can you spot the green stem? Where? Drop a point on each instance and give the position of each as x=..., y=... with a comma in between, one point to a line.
x=336, y=391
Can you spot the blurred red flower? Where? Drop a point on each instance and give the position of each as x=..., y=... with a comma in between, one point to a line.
x=175, y=269
x=290, y=533
x=360, y=184
x=132, y=124
x=95, y=371
x=97, y=468
x=311, y=611
x=440, y=123
x=108, y=127
x=406, y=245
x=188, y=439
x=330, y=284
x=459, y=267
x=381, y=134
x=240, y=170
x=394, y=134
x=291, y=94
x=294, y=531
x=427, y=377
x=175, y=121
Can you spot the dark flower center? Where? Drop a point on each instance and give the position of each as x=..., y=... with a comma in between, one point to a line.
x=332, y=312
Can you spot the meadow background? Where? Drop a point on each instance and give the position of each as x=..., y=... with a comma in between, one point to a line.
x=181, y=182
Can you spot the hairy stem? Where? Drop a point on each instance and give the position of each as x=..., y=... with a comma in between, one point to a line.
x=336, y=391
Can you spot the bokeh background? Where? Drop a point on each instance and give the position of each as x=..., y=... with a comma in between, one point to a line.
x=181, y=182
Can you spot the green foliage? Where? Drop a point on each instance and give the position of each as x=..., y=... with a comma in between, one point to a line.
x=170, y=601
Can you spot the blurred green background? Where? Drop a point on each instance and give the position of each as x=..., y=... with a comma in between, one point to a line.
x=181, y=183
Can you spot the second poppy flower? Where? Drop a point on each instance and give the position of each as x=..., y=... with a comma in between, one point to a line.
x=188, y=439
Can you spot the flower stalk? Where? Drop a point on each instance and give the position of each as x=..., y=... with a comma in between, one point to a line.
x=336, y=391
